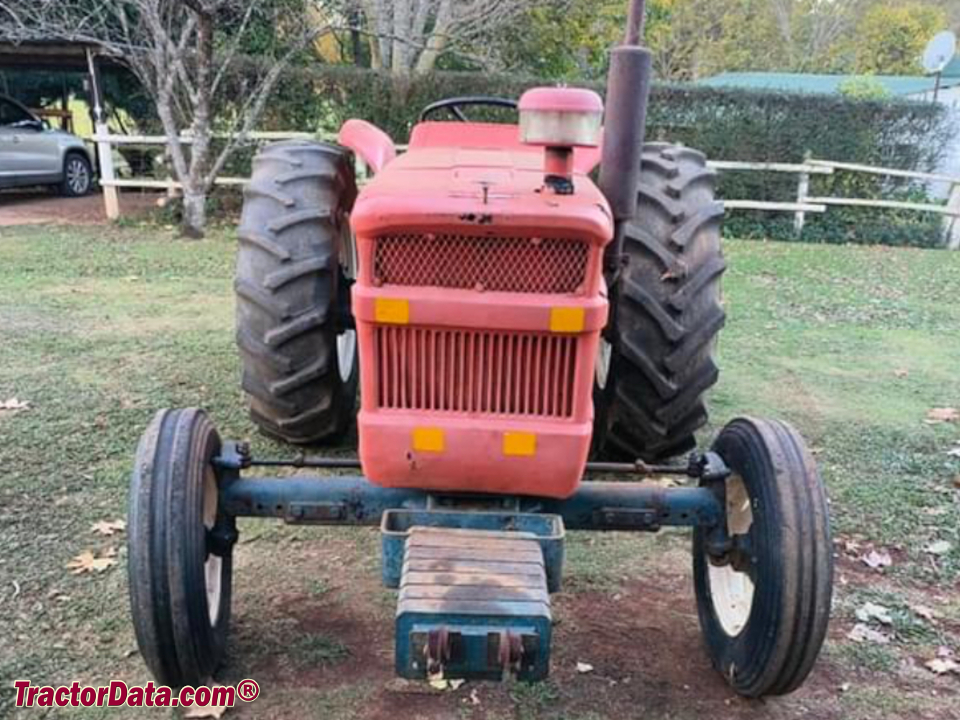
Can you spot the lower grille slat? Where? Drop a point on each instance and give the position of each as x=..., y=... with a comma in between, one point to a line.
x=475, y=371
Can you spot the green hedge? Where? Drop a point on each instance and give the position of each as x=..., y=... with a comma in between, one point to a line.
x=726, y=124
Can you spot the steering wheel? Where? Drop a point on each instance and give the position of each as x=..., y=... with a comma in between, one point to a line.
x=453, y=105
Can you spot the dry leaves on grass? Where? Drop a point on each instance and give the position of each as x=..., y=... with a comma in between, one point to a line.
x=924, y=612
x=940, y=547
x=877, y=559
x=942, y=415
x=862, y=632
x=871, y=611
x=14, y=404
x=109, y=527
x=87, y=562
x=901, y=372
x=439, y=683
x=208, y=711
x=941, y=666
x=583, y=667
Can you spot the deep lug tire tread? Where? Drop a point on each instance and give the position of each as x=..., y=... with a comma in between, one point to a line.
x=777, y=648
x=167, y=551
x=287, y=283
x=666, y=312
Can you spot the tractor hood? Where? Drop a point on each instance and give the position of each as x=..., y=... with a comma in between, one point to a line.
x=478, y=191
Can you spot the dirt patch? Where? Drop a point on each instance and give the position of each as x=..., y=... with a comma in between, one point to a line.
x=35, y=207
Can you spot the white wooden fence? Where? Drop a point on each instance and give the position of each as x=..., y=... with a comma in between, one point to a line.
x=804, y=203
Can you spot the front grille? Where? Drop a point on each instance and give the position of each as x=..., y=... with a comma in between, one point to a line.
x=506, y=264
x=475, y=371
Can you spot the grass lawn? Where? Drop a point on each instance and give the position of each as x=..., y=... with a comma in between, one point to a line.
x=100, y=327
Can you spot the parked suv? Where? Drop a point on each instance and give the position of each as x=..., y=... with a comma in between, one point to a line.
x=32, y=153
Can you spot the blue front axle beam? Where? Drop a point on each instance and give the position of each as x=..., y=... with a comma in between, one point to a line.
x=339, y=500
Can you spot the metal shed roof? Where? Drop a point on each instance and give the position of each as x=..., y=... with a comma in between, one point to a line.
x=901, y=85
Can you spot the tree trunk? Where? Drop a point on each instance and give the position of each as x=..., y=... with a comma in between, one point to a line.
x=194, y=190
x=194, y=213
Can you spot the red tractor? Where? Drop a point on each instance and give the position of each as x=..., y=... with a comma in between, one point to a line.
x=514, y=329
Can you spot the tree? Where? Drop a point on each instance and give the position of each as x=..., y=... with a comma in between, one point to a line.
x=560, y=39
x=187, y=57
x=890, y=38
x=408, y=36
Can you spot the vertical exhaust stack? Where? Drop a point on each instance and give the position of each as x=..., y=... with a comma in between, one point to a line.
x=628, y=90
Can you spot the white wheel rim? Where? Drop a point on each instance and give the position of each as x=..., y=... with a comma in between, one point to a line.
x=732, y=591
x=604, y=355
x=347, y=340
x=77, y=176
x=213, y=566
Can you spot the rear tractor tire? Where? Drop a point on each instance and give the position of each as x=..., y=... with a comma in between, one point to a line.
x=656, y=358
x=180, y=549
x=295, y=261
x=763, y=597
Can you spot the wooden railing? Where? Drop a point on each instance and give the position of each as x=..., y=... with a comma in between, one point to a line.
x=804, y=203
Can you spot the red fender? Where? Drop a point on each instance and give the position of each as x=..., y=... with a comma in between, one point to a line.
x=368, y=141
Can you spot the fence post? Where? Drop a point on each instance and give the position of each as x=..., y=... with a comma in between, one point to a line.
x=803, y=190
x=111, y=196
x=951, y=224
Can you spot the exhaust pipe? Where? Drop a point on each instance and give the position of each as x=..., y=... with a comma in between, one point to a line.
x=628, y=90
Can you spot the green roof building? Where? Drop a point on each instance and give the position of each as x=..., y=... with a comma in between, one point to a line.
x=917, y=87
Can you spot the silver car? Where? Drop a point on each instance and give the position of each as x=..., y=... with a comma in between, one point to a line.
x=32, y=153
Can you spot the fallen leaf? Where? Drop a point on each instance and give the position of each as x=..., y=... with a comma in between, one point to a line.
x=851, y=546
x=956, y=482
x=441, y=683
x=877, y=560
x=923, y=611
x=939, y=666
x=207, y=711
x=583, y=667
x=844, y=687
x=871, y=611
x=901, y=372
x=14, y=404
x=940, y=547
x=109, y=527
x=944, y=652
x=88, y=562
x=474, y=697
x=862, y=632
x=942, y=415
x=954, y=452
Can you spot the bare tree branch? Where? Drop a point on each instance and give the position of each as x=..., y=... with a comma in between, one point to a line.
x=171, y=46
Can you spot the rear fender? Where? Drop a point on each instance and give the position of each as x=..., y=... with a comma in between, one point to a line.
x=368, y=141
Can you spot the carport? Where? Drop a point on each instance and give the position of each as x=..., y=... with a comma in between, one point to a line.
x=63, y=56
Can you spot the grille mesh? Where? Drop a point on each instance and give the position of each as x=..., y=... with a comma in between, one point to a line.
x=474, y=371
x=506, y=264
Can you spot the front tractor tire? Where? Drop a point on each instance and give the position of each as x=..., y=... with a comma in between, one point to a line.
x=656, y=360
x=179, y=543
x=295, y=260
x=763, y=596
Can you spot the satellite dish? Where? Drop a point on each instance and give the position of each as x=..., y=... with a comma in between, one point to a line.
x=939, y=51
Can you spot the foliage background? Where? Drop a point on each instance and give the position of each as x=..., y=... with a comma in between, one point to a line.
x=726, y=124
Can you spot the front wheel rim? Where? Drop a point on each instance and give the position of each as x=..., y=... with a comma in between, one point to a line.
x=732, y=591
x=347, y=340
x=604, y=357
x=213, y=565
